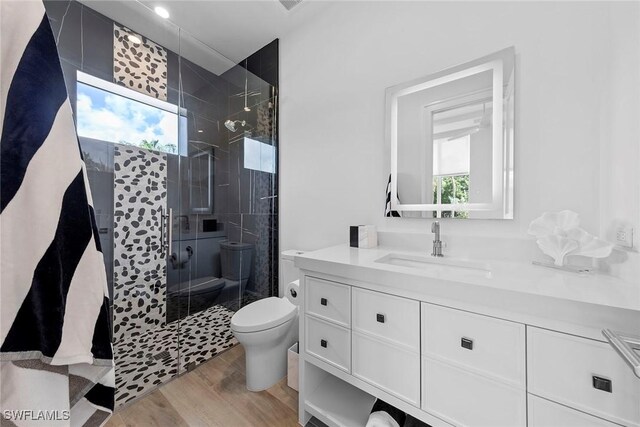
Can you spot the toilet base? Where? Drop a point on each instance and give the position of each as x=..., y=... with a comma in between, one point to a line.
x=266, y=354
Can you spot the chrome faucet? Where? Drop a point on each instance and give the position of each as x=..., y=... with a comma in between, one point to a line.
x=437, y=243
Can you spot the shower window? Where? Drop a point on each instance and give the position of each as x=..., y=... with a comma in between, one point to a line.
x=259, y=156
x=109, y=112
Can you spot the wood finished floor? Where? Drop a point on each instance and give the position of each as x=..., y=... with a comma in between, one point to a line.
x=213, y=394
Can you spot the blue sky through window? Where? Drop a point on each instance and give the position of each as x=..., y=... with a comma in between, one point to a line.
x=259, y=156
x=110, y=117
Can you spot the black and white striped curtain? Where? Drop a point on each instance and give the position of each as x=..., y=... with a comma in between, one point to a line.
x=56, y=362
x=387, y=207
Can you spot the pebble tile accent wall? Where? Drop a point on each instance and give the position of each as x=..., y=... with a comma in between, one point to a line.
x=139, y=260
x=139, y=66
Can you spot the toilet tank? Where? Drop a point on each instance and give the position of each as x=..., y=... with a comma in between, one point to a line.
x=288, y=271
x=235, y=260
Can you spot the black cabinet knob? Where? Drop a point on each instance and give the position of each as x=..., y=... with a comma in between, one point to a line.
x=323, y=301
x=466, y=343
x=323, y=343
x=600, y=383
x=380, y=317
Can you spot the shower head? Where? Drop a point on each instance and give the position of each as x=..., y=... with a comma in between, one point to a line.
x=231, y=124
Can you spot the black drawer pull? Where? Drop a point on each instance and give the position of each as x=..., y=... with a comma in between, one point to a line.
x=323, y=343
x=466, y=343
x=323, y=301
x=601, y=383
x=380, y=317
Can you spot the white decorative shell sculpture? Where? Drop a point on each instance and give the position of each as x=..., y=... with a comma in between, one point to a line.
x=559, y=235
x=557, y=247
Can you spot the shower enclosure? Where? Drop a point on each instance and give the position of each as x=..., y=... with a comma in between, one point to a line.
x=180, y=145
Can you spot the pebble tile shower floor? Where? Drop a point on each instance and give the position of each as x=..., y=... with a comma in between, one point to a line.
x=147, y=360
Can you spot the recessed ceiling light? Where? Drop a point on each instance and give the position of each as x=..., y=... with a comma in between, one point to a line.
x=134, y=39
x=162, y=12
x=200, y=131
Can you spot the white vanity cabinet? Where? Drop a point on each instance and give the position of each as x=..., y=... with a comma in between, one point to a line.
x=583, y=374
x=327, y=311
x=544, y=413
x=328, y=342
x=452, y=363
x=386, y=343
x=328, y=300
x=473, y=368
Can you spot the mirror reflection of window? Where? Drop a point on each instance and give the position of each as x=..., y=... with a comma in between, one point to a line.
x=458, y=132
x=451, y=165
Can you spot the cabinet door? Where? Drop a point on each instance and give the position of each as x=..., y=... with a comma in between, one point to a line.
x=543, y=413
x=328, y=342
x=583, y=374
x=388, y=367
x=391, y=318
x=328, y=300
x=467, y=399
x=482, y=344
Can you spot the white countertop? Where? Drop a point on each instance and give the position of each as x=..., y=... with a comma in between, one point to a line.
x=523, y=278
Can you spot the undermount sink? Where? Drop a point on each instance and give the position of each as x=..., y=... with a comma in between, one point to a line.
x=437, y=265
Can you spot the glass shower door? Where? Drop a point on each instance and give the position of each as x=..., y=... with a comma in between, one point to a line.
x=180, y=148
x=228, y=215
x=128, y=134
x=138, y=171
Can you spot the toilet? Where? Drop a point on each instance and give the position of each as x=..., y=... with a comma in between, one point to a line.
x=267, y=328
x=236, y=260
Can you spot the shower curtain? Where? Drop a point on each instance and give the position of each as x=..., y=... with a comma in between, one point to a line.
x=56, y=362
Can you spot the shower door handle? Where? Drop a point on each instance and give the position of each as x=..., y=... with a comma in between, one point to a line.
x=169, y=233
x=163, y=242
x=166, y=230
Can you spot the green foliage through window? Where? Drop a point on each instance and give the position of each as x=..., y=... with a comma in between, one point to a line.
x=453, y=189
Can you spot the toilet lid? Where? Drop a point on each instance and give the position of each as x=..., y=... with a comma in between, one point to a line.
x=263, y=314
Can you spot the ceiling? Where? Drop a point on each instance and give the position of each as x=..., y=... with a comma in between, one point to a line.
x=234, y=28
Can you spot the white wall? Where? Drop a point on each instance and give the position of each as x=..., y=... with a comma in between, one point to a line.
x=620, y=138
x=576, y=128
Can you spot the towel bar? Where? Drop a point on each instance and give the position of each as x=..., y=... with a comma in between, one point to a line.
x=626, y=346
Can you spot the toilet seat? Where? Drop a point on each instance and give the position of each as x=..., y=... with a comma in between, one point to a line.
x=263, y=314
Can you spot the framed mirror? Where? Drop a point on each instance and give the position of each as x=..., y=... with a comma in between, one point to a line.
x=201, y=183
x=451, y=136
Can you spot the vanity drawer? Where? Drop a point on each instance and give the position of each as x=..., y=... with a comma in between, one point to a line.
x=482, y=344
x=463, y=398
x=328, y=300
x=544, y=413
x=328, y=342
x=392, y=318
x=574, y=371
x=388, y=367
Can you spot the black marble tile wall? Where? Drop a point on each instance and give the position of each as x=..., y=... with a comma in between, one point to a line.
x=252, y=194
x=97, y=42
x=264, y=63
